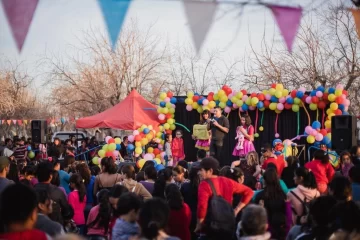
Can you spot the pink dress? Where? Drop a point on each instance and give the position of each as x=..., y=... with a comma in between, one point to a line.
x=203, y=144
x=248, y=146
x=74, y=201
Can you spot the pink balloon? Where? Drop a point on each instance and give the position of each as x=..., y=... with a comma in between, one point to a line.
x=287, y=142
x=319, y=137
x=160, y=146
x=136, y=132
x=131, y=138
x=173, y=106
x=167, y=99
x=308, y=100
x=137, y=155
x=314, y=132
x=244, y=98
x=267, y=96
x=231, y=95
x=235, y=106
x=107, y=138
x=240, y=109
x=189, y=107
x=302, y=89
x=340, y=86
x=282, y=100
x=227, y=109
x=308, y=129
x=347, y=102
x=152, y=155
x=280, y=106
x=277, y=135
x=343, y=96
x=157, y=140
x=162, y=155
x=319, y=94
x=148, y=156
x=116, y=153
x=205, y=102
x=251, y=108
x=161, y=117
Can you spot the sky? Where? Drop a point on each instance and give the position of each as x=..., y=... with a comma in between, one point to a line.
x=59, y=24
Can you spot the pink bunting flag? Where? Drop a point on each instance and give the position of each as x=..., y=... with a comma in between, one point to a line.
x=14, y=122
x=288, y=20
x=19, y=15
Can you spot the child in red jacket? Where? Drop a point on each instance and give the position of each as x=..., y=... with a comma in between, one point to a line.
x=177, y=147
x=322, y=170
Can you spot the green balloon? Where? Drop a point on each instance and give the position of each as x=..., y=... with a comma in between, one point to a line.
x=31, y=154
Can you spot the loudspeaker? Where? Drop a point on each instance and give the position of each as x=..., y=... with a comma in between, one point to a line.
x=38, y=131
x=343, y=132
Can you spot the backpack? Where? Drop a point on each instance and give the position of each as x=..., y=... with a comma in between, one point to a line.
x=306, y=207
x=220, y=217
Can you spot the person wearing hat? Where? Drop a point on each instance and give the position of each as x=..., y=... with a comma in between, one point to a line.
x=225, y=187
x=4, y=169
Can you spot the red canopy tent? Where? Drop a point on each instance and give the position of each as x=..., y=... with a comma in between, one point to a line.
x=129, y=114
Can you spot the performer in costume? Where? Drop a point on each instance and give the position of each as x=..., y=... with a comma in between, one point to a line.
x=204, y=143
x=247, y=130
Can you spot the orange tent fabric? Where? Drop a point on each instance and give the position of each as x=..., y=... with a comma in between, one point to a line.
x=129, y=114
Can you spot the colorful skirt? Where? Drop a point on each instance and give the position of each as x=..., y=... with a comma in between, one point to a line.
x=248, y=146
x=203, y=144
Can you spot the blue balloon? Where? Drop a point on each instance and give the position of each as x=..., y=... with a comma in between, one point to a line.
x=159, y=167
x=162, y=104
x=173, y=100
x=118, y=147
x=331, y=90
x=29, y=148
x=328, y=145
x=316, y=125
x=341, y=107
x=229, y=103
x=196, y=94
x=345, y=113
x=260, y=105
x=200, y=101
x=130, y=147
x=290, y=100
x=245, y=107
x=326, y=140
x=313, y=93
x=146, y=130
x=299, y=94
x=317, y=144
x=155, y=163
x=217, y=102
x=320, y=88
x=274, y=99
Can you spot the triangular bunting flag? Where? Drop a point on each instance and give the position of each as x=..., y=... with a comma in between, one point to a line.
x=200, y=17
x=14, y=122
x=20, y=122
x=3, y=121
x=8, y=122
x=356, y=15
x=19, y=15
x=114, y=12
x=288, y=20
x=25, y=122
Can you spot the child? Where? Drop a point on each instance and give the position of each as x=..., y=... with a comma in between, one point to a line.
x=240, y=138
x=204, y=143
x=345, y=163
x=77, y=199
x=177, y=147
x=127, y=207
x=246, y=145
x=168, y=153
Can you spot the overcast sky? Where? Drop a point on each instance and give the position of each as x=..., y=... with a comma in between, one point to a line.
x=57, y=24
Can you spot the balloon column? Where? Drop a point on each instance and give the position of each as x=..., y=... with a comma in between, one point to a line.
x=110, y=149
x=166, y=110
x=317, y=135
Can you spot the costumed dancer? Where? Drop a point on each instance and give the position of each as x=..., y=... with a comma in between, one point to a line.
x=247, y=130
x=177, y=147
x=204, y=143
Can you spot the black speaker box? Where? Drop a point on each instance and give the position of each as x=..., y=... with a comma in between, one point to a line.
x=343, y=132
x=38, y=131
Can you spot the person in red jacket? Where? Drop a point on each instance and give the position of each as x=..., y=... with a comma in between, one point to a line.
x=270, y=157
x=177, y=147
x=225, y=187
x=322, y=170
x=18, y=207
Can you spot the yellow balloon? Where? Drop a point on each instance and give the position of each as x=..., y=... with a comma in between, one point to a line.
x=95, y=160
x=117, y=140
x=144, y=141
x=285, y=92
x=331, y=97
x=216, y=96
x=234, y=99
x=222, y=104
x=159, y=110
x=277, y=111
x=105, y=147
x=166, y=126
x=158, y=135
x=278, y=93
x=141, y=163
x=329, y=111
x=221, y=92
x=331, y=115
x=171, y=121
x=157, y=160
x=101, y=153
x=164, y=111
x=248, y=101
x=279, y=87
x=172, y=127
x=310, y=139
x=200, y=109
x=149, y=136
x=190, y=94
x=138, y=150
x=188, y=101
x=338, y=92
x=239, y=95
x=261, y=128
x=137, y=144
x=313, y=106
x=162, y=96
x=195, y=105
x=172, y=110
x=272, y=106
x=223, y=98
x=150, y=150
x=334, y=106
x=262, y=109
x=328, y=124
x=168, y=105
x=254, y=100
x=329, y=135
x=272, y=91
x=239, y=103
x=150, y=127
x=161, y=128
x=212, y=104
x=295, y=107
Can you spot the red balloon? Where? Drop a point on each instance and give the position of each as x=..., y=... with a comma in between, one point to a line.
x=110, y=154
x=138, y=138
x=314, y=99
x=228, y=91
x=345, y=92
x=321, y=105
x=210, y=97
x=170, y=94
x=266, y=103
x=111, y=140
x=339, y=100
x=303, y=99
x=195, y=98
x=224, y=87
x=168, y=131
x=168, y=115
x=261, y=97
x=156, y=151
x=273, y=85
x=287, y=106
x=325, y=96
x=328, y=130
x=338, y=112
x=323, y=132
x=162, y=121
x=211, y=93
x=253, y=95
x=293, y=94
x=244, y=92
x=142, y=135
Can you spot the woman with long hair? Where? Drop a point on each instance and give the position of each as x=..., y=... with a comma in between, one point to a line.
x=150, y=175
x=287, y=174
x=164, y=178
x=204, y=143
x=345, y=163
x=322, y=170
x=305, y=191
x=180, y=175
x=245, y=136
x=108, y=177
x=274, y=200
x=128, y=175
x=250, y=167
x=77, y=199
x=180, y=213
x=99, y=217
x=89, y=181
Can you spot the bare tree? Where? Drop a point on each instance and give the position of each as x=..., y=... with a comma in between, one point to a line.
x=324, y=55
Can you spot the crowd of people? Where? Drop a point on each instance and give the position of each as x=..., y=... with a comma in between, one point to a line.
x=256, y=197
